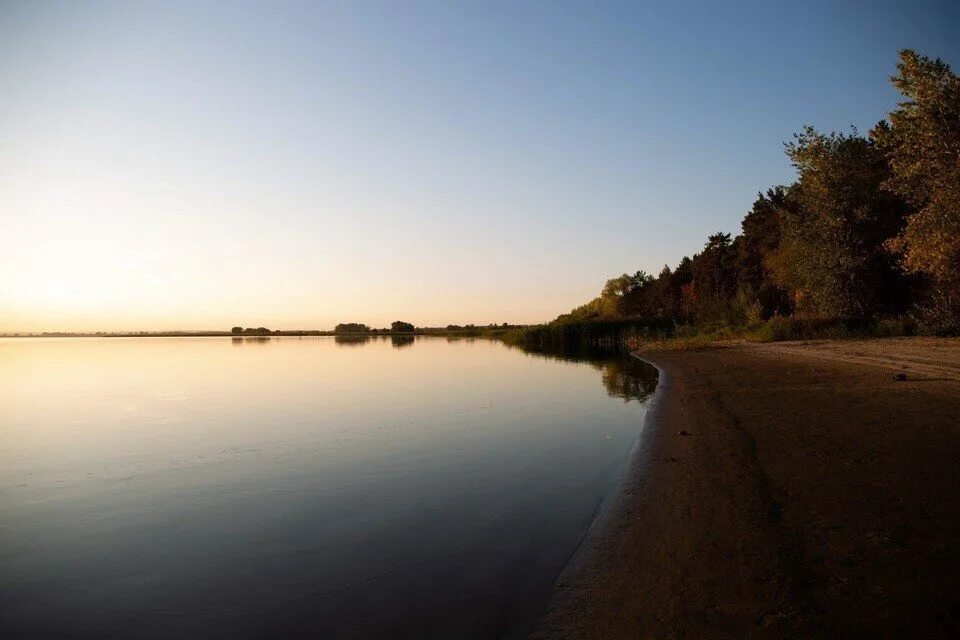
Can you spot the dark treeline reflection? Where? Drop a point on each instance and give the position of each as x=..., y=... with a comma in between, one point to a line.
x=623, y=375
x=628, y=378
x=237, y=342
x=399, y=342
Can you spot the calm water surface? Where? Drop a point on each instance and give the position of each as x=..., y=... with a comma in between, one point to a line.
x=298, y=487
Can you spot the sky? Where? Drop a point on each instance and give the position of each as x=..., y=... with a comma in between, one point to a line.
x=190, y=165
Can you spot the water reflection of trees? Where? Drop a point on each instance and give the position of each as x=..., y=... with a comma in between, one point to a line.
x=623, y=376
x=399, y=342
x=629, y=380
x=351, y=341
x=238, y=341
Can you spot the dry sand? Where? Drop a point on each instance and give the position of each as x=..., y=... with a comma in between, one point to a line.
x=783, y=491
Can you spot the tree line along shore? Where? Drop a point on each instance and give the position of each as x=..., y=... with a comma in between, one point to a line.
x=865, y=241
x=350, y=328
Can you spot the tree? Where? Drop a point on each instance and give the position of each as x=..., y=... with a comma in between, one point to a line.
x=402, y=327
x=714, y=279
x=757, y=246
x=351, y=327
x=714, y=268
x=922, y=144
x=236, y=330
x=834, y=223
x=663, y=297
x=869, y=225
x=611, y=297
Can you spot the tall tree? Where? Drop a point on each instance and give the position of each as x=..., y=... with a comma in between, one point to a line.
x=714, y=278
x=758, y=247
x=922, y=144
x=834, y=223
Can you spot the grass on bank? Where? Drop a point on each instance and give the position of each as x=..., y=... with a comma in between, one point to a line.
x=635, y=334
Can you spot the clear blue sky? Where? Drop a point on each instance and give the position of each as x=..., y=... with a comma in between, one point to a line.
x=184, y=164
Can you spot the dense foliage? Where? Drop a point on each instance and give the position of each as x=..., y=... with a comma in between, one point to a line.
x=250, y=331
x=867, y=236
x=351, y=327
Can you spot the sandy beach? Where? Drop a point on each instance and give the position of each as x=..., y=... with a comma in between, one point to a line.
x=780, y=491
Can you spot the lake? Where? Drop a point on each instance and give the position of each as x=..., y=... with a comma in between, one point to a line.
x=294, y=487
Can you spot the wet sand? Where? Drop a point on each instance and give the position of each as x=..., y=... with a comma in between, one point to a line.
x=782, y=491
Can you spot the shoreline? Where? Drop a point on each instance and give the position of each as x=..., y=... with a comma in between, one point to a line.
x=604, y=515
x=780, y=492
x=637, y=457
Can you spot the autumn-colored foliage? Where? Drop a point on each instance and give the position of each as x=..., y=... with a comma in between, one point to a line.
x=869, y=230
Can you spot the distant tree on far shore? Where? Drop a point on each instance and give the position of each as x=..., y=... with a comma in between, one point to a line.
x=236, y=330
x=351, y=327
x=402, y=327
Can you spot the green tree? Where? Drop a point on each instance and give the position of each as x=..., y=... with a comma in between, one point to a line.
x=612, y=295
x=402, y=327
x=714, y=279
x=922, y=145
x=834, y=223
x=351, y=327
x=868, y=223
x=757, y=247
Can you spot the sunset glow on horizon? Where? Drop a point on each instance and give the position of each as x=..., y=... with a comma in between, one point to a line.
x=175, y=165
